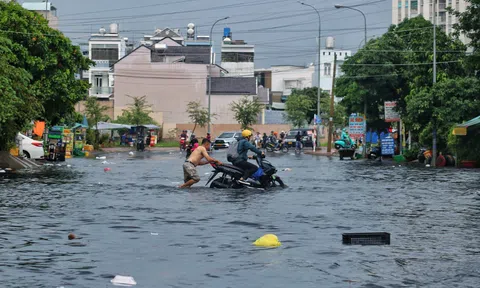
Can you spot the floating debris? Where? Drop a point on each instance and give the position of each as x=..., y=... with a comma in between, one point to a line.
x=267, y=240
x=123, y=281
x=101, y=157
x=106, y=169
x=71, y=236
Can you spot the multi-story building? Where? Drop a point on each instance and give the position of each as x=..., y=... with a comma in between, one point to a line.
x=327, y=62
x=281, y=80
x=402, y=9
x=237, y=56
x=104, y=48
x=44, y=8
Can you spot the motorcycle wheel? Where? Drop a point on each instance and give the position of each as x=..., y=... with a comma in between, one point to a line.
x=280, y=182
x=269, y=149
x=337, y=146
x=218, y=183
x=285, y=149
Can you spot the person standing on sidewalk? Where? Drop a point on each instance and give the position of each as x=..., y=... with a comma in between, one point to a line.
x=314, y=139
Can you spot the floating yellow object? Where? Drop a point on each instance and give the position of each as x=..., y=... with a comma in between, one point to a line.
x=268, y=240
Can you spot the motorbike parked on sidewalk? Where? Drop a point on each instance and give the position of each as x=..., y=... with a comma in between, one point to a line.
x=230, y=175
x=183, y=144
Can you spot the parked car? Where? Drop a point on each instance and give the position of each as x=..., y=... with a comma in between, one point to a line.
x=225, y=139
x=307, y=140
x=31, y=148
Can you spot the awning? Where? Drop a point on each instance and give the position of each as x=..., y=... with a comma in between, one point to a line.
x=149, y=126
x=110, y=126
x=461, y=129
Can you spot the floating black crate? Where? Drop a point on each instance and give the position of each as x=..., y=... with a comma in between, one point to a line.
x=372, y=238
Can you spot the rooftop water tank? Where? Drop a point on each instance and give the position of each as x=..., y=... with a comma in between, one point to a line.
x=330, y=42
x=114, y=28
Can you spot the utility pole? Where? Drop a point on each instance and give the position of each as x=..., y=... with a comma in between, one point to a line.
x=210, y=72
x=434, y=132
x=332, y=110
x=318, y=70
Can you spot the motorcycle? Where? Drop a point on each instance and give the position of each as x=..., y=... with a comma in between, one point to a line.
x=270, y=147
x=345, y=143
x=264, y=178
x=183, y=144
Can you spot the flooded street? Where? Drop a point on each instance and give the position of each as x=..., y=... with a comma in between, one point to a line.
x=134, y=221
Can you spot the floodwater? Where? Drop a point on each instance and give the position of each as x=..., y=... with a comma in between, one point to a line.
x=132, y=221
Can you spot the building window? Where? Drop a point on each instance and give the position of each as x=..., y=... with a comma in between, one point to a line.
x=323, y=53
x=291, y=84
x=346, y=54
x=329, y=53
x=340, y=53
x=327, y=68
x=237, y=57
x=399, y=3
x=105, y=52
x=98, y=81
x=406, y=3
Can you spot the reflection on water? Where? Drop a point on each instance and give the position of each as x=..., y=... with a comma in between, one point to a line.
x=133, y=221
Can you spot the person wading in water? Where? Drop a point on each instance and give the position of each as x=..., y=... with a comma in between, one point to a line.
x=190, y=173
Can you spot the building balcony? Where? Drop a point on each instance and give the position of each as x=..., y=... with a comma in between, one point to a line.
x=101, y=92
x=101, y=65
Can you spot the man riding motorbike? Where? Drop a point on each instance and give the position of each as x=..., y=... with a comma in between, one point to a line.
x=242, y=160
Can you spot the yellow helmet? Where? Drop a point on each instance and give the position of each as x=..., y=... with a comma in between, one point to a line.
x=246, y=133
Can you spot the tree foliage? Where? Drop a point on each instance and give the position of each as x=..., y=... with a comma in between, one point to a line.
x=38, y=66
x=398, y=67
x=137, y=112
x=469, y=25
x=198, y=114
x=297, y=109
x=49, y=57
x=95, y=113
x=246, y=111
x=311, y=94
x=449, y=102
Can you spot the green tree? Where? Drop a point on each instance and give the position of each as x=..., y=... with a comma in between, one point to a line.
x=246, y=111
x=391, y=66
x=311, y=93
x=50, y=59
x=137, y=112
x=198, y=114
x=95, y=113
x=469, y=25
x=18, y=106
x=297, y=109
x=447, y=103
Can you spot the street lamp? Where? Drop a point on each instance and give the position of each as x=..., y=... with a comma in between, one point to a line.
x=365, y=100
x=210, y=71
x=318, y=70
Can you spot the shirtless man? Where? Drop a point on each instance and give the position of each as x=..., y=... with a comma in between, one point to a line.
x=190, y=174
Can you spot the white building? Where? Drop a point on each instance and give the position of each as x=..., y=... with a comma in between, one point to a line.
x=327, y=62
x=44, y=8
x=237, y=56
x=104, y=48
x=402, y=9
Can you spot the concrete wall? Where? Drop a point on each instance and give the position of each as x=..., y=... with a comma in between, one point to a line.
x=218, y=129
x=80, y=107
x=282, y=73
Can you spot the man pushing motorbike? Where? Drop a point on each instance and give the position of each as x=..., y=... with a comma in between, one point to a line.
x=190, y=173
x=242, y=160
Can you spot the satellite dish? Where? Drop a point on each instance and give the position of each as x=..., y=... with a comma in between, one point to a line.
x=191, y=25
x=102, y=30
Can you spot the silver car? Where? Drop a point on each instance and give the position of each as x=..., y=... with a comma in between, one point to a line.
x=225, y=139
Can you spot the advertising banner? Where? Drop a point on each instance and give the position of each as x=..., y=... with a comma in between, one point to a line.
x=356, y=126
x=390, y=114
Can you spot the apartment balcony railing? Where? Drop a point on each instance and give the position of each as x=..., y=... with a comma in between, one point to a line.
x=94, y=91
x=102, y=64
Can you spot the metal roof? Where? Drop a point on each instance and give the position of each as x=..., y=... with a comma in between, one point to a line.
x=234, y=85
